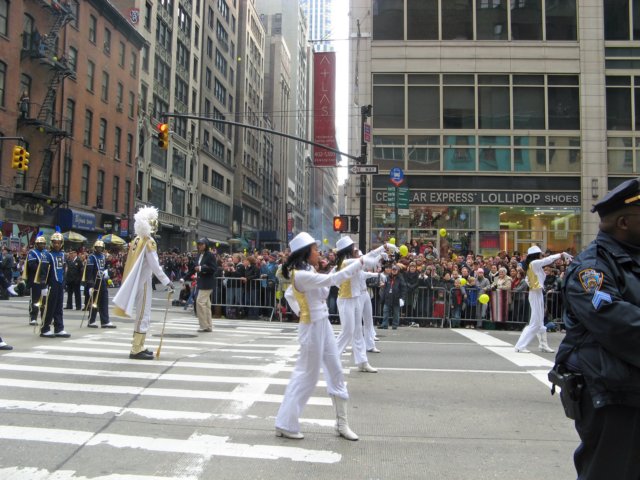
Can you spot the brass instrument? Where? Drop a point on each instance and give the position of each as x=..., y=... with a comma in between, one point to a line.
x=93, y=298
x=42, y=312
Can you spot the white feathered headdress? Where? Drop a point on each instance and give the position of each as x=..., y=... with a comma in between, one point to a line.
x=145, y=221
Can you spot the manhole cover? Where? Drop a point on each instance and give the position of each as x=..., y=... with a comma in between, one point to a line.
x=176, y=335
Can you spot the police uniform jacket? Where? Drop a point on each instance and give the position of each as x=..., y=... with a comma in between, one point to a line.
x=602, y=318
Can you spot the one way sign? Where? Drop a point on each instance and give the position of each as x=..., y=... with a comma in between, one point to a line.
x=364, y=169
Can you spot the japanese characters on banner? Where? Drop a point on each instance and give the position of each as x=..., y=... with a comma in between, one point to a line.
x=324, y=110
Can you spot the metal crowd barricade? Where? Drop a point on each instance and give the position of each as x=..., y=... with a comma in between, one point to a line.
x=252, y=299
x=553, y=307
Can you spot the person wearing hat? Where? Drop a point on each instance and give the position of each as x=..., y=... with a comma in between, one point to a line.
x=307, y=297
x=135, y=291
x=601, y=316
x=534, y=266
x=204, y=269
x=33, y=280
x=53, y=268
x=95, y=278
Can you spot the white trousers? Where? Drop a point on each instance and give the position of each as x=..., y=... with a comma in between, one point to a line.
x=536, y=323
x=350, y=310
x=367, y=319
x=143, y=308
x=317, y=349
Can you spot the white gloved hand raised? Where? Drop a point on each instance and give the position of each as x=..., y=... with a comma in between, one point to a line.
x=370, y=262
x=401, y=303
x=44, y=292
x=567, y=256
x=392, y=247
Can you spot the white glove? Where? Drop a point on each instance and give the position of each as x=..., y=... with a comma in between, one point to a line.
x=170, y=287
x=401, y=303
x=44, y=292
x=90, y=291
x=567, y=256
x=392, y=247
x=105, y=273
x=384, y=256
x=370, y=262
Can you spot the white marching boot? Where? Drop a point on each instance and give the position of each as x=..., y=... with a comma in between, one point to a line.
x=365, y=367
x=544, y=345
x=342, y=426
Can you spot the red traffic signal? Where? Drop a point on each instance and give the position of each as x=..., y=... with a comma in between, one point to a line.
x=341, y=223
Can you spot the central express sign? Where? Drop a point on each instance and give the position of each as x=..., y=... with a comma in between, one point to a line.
x=493, y=197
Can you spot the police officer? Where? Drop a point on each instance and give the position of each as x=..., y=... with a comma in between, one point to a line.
x=96, y=282
x=34, y=260
x=602, y=319
x=53, y=268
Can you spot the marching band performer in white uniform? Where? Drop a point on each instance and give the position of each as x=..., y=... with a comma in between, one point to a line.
x=534, y=266
x=350, y=305
x=367, y=310
x=307, y=296
x=135, y=291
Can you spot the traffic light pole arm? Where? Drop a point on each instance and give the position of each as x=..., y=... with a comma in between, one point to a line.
x=12, y=138
x=253, y=127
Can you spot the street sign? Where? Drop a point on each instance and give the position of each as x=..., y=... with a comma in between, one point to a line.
x=364, y=169
x=396, y=175
x=403, y=197
x=367, y=133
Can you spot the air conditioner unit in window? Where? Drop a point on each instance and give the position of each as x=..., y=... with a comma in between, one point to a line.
x=101, y=147
x=119, y=107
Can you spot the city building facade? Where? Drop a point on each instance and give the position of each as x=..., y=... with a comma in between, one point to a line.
x=509, y=120
x=69, y=88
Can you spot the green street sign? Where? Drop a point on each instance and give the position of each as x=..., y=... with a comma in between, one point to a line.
x=403, y=197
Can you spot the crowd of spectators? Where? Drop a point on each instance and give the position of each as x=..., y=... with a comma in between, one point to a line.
x=433, y=287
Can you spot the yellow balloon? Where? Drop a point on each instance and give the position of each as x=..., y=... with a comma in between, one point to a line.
x=217, y=244
x=325, y=241
x=443, y=232
x=483, y=299
x=404, y=251
x=193, y=243
x=463, y=281
x=392, y=241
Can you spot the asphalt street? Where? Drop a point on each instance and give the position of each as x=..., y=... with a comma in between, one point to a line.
x=446, y=404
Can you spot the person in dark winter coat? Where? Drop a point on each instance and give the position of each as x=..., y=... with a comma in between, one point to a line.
x=73, y=277
x=204, y=269
x=601, y=315
x=393, y=294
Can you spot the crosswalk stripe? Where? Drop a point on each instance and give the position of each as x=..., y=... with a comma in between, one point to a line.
x=149, y=413
x=154, y=392
x=203, y=445
x=29, y=473
x=150, y=376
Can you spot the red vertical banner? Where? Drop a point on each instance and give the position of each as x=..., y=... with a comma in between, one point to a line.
x=324, y=108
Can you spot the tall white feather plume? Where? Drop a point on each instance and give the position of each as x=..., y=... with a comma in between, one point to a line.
x=142, y=221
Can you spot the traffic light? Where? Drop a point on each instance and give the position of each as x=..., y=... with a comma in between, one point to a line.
x=163, y=136
x=25, y=162
x=354, y=224
x=341, y=223
x=20, y=159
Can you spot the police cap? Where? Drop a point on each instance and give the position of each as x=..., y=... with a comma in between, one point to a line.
x=204, y=241
x=627, y=193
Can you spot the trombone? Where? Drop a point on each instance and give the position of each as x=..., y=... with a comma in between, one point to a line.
x=36, y=279
x=93, y=298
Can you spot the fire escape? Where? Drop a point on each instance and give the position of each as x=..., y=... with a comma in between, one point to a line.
x=55, y=67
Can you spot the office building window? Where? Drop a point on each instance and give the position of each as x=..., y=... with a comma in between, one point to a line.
x=93, y=26
x=115, y=194
x=388, y=19
x=102, y=135
x=84, y=185
x=388, y=97
x=561, y=21
x=4, y=17
x=458, y=101
x=100, y=189
x=91, y=73
x=157, y=194
x=3, y=82
x=526, y=20
x=424, y=101
x=88, y=127
x=491, y=20
x=117, y=140
x=177, y=201
x=129, y=148
x=457, y=20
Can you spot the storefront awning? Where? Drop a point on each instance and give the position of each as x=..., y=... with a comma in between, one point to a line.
x=214, y=242
x=70, y=219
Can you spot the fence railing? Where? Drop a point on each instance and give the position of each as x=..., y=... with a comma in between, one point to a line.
x=425, y=306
